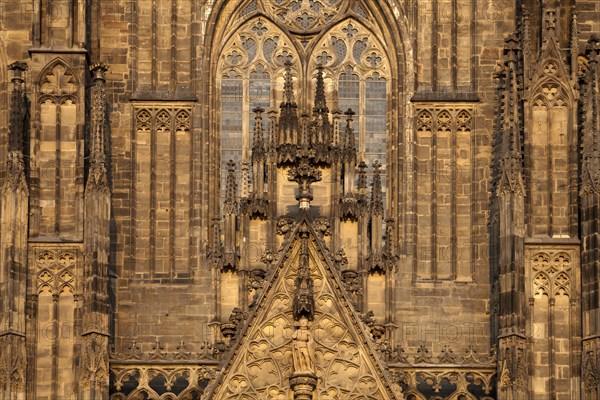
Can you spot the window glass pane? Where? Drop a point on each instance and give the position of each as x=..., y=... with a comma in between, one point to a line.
x=349, y=97
x=231, y=123
x=260, y=93
x=375, y=123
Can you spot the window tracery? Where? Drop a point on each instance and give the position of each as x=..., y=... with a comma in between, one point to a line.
x=304, y=14
x=359, y=74
x=58, y=134
x=162, y=162
x=356, y=74
x=251, y=71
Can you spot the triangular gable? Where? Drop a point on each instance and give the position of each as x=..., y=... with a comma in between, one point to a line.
x=551, y=67
x=260, y=362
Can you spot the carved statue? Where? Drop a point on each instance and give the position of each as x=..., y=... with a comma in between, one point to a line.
x=303, y=351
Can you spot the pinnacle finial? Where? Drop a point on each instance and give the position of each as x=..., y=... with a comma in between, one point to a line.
x=592, y=49
x=377, y=192
x=320, y=102
x=18, y=68
x=304, y=303
x=258, y=147
x=230, y=189
x=99, y=70
x=550, y=19
x=288, y=85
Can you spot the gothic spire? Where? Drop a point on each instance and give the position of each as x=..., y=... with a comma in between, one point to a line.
x=288, y=127
x=320, y=129
x=245, y=184
x=525, y=37
x=376, y=193
x=230, y=203
x=288, y=85
x=511, y=166
x=361, y=185
x=97, y=172
x=320, y=105
x=17, y=107
x=258, y=145
x=591, y=122
x=215, y=248
x=574, y=47
x=16, y=127
x=304, y=303
x=349, y=144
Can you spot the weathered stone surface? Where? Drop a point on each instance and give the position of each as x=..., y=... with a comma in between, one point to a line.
x=128, y=248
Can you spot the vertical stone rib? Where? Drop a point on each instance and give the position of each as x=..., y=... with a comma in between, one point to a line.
x=589, y=203
x=512, y=360
x=14, y=199
x=93, y=373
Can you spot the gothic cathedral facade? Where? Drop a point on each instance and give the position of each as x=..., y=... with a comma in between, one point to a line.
x=300, y=199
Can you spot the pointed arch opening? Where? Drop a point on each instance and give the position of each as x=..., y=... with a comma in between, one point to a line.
x=228, y=20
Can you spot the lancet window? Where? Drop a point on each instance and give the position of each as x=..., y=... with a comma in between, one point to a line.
x=251, y=71
x=251, y=74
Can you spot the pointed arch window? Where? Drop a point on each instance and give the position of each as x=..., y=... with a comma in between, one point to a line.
x=259, y=88
x=231, y=123
x=251, y=67
x=357, y=65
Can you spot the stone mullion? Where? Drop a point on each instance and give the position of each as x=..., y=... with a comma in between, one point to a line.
x=551, y=340
x=55, y=333
x=152, y=211
x=154, y=46
x=575, y=342
x=453, y=181
x=172, y=190
x=434, y=44
x=57, y=169
x=362, y=123
x=32, y=327
x=131, y=257
x=246, y=134
x=434, y=239
x=550, y=177
x=173, y=62
x=412, y=182
x=512, y=288
x=454, y=46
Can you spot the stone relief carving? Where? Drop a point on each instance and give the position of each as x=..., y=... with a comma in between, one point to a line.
x=171, y=381
x=303, y=352
x=304, y=14
x=12, y=363
x=58, y=81
x=56, y=271
x=551, y=274
x=95, y=361
x=274, y=348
